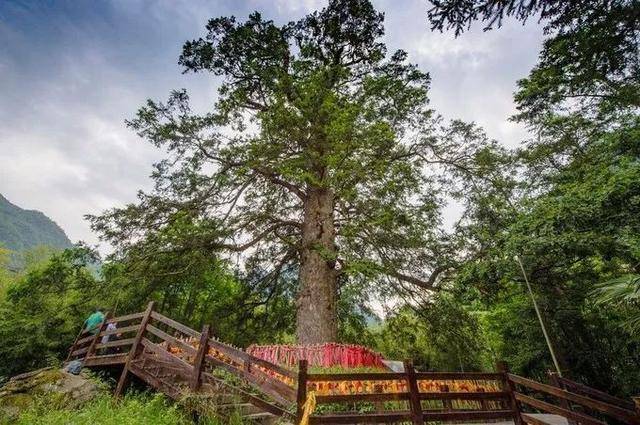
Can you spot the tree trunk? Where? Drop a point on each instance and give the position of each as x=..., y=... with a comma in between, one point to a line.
x=316, y=304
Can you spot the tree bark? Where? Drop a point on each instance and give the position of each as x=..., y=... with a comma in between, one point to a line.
x=317, y=320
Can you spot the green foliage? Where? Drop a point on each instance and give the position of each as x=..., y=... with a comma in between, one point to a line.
x=440, y=336
x=23, y=229
x=572, y=216
x=622, y=292
x=132, y=409
x=43, y=310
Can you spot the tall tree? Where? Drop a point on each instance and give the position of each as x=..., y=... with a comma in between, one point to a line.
x=320, y=158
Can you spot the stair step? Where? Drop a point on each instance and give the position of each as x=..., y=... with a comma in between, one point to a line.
x=261, y=418
x=242, y=408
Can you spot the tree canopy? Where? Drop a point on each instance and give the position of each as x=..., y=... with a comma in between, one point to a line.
x=321, y=158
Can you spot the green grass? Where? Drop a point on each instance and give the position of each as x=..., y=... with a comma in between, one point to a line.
x=133, y=409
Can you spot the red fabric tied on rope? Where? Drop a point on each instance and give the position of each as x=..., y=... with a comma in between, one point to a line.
x=323, y=355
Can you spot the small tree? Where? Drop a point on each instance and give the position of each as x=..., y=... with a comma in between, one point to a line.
x=315, y=159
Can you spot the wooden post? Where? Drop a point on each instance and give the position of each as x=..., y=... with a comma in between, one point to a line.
x=96, y=338
x=447, y=404
x=203, y=348
x=302, y=388
x=134, y=348
x=510, y=387
x=414, y=394
x=564, y=403
x=73, y=347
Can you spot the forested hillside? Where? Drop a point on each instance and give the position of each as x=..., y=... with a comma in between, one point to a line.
x=22, y=229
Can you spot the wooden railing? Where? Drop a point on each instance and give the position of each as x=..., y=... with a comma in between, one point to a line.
x=578, y=388
x=190, y=360
x=409, y=396
x=88, y=346
x=551, y=399
x=192, y=357
x=419, y=397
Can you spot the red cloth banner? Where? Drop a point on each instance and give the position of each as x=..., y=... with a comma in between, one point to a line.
x=322, y=355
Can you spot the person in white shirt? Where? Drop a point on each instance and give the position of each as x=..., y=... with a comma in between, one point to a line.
x=106, y=338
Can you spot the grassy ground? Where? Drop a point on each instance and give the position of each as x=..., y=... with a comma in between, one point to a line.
x=131, y=410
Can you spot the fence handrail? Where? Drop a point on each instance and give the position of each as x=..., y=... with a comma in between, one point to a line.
x=622, y=414
x=593, y=393
x=553, y=409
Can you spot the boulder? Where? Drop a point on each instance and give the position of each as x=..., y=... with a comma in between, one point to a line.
x=52, y=386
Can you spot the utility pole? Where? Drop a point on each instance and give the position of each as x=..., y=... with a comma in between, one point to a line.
x=544, y=329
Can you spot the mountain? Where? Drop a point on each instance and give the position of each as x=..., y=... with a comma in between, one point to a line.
x=23, y=229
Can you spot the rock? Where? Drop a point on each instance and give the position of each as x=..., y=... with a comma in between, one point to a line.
x=54, y=387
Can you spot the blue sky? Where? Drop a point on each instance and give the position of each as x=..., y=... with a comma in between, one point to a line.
x=71, y=72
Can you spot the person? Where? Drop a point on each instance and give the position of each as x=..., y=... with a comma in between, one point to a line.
x=113, y=337
x=92, y=324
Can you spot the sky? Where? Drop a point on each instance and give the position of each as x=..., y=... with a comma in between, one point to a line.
x=72, y=71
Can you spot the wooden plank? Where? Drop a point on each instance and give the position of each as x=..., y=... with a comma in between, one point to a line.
x=414, y=393
x=368, y=418
x=126, y=329
x=597, y=394
x=175, y=325
x=253, y=399
x=532, y=420
x=134, y=348
x=272, y=366
x=199, y=360
x=366, y=376
x=126, y=318
x=301, y=392
x=509, y=386
x=555, y=381
x=489, y=395
x=623, y=415
x=466, y=415
x=240, y=356
x=110, y=359
x=84, y=340
x=219, y=363
x=552, y=408
x=116, y=343
x=235, y=354
x=272, y=387
x=79, y=351
x=172, y=340
x=458, y=376
x=164, y=387
x=353, y=398
x=167, y=356
x=75, y=344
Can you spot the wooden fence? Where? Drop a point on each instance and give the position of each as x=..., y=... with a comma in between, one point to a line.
x=419, y=397
x=176, y=360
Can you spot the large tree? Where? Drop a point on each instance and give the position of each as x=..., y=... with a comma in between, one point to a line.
x=321, y=158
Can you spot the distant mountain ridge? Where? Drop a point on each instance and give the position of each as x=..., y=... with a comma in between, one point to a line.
x=22, y=229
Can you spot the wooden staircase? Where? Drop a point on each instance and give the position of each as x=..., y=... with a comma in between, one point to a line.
x=190, y=366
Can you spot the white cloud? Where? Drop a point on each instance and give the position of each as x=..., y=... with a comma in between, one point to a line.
x=443, y=49
x=70, y=76
x=295, y=6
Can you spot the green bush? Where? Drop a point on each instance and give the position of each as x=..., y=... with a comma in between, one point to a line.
x=134, y=409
